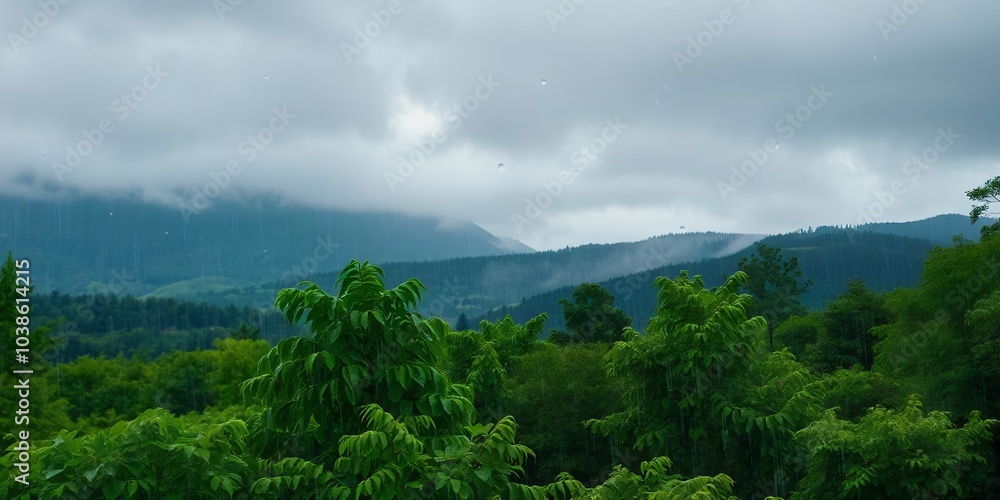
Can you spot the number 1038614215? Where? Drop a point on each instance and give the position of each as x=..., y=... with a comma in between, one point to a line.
x=22, y=288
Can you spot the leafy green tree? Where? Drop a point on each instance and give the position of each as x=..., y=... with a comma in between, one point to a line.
x=774, y=284
x=462, y=324
x=698, y=386
x=158, y=455
x=558, y=337
x=17, y=301
x=152, y=456
x=655, y=483
x=483, y=359
x=105, y=387
x=19, y=323
x=890, y=454
x=698, y=343
x=365, y=397
x=245, y=332
x=988, y=193
x=552, y=392
x=983, y=319
x=592, y=316
x=846, y=339
x=854, y=392
x=182, y=381
x=798, y=333
x=938, y=345
x=232, y=362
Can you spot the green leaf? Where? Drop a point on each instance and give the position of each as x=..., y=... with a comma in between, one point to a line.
x=726, y=411
x=440, y=480
x=484, y=474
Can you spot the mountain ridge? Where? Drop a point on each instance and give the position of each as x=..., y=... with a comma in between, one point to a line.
x=136, y=247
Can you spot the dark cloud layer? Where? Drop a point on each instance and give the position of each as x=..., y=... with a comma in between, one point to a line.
x=296, y=99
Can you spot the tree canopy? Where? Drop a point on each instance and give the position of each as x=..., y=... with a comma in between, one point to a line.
x=592, y=315
x=986, y=194
x=774, y=284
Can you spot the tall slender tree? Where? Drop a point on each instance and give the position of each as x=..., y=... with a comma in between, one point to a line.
x=775, y=285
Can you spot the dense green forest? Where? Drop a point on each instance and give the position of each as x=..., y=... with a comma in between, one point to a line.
x=731, y=387
x=830, y=257
x=111, y=325
x=486, y=286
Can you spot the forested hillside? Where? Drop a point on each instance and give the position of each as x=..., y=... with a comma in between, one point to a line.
x=111, y=325
x=375, y=401
x=475, y=286
x=124, y=245
x=830, y=258
x=940, y=229
x=729, y=386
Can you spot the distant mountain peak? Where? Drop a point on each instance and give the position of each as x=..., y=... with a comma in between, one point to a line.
x=77, y=241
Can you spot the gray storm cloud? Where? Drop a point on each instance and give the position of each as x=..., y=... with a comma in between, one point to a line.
x=382, y=105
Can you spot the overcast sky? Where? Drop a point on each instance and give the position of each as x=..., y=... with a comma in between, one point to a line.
x=637, y=116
